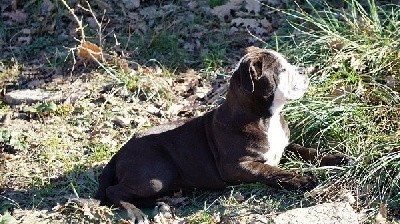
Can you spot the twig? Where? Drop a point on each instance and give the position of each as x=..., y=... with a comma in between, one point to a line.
x=78, y=21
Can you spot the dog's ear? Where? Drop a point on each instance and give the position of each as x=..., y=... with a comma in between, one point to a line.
x=249, y=69
x=246, y=77
x=256, y=63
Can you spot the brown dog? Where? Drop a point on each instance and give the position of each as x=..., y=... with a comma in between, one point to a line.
x=241, y=141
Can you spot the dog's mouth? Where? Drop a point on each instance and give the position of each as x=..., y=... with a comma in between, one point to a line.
x=296, y=94
x=298, y=86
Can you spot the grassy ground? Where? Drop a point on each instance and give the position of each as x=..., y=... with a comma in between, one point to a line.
x=353, y=105
x=169, y=59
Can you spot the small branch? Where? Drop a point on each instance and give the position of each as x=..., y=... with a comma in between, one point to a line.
x=78, y=21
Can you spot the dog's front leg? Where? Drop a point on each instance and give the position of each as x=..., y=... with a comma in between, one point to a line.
x=254, y=171
x=311, y=155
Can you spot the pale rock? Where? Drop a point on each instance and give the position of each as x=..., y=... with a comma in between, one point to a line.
x=57, y=79
x=153, y=109
x=29, y=96
x=327, y=213
x=76, y=96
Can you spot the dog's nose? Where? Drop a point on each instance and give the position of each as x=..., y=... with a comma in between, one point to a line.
x=301, y=70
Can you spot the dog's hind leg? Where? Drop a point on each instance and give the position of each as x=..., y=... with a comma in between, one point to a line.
x=107, y=179
x=141, y=183
x=311, y=155
x=120, y=195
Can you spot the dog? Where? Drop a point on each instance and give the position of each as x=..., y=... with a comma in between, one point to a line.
x=241, y=141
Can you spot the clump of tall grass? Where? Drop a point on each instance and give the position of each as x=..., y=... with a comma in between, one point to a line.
x=353, y=103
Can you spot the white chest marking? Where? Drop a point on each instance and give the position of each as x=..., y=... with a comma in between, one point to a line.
x=277, y=140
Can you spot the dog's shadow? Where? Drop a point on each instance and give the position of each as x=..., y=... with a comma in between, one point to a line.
x=47, y=193
x=61, y=191
x=241, y=201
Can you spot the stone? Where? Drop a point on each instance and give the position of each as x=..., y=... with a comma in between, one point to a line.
x=77, y=95
x=326, y=213
x=122, y=121
x=35, y=83
x=29, y=96
x=131, y=4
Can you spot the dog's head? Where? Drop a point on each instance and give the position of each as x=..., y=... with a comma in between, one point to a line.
x=267, y=74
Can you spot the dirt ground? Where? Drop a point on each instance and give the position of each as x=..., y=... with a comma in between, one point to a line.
x=151, y=62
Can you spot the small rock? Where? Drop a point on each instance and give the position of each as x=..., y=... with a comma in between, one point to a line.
x=131, y=4
x=108, y=141
x=229, y=220
x=5, y=119
x=153, y=109
x=76, y=96
x=29, y=96
x=336, y=212
x=58, y=78
x=34, y=83
x=239, y=197
x=140, y=120
x=122, y=121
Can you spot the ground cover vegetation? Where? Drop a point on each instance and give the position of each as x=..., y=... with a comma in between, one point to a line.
x=121, y=67
x=353, y=104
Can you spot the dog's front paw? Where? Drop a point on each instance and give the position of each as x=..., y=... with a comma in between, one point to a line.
x=300, y=182
x=337, y=160
x=306, y=182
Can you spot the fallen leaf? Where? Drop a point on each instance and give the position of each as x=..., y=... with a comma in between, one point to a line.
x=104, y=5
x=17, y=16
x=123, y=221
x=149, y=12
x=89, y=50
x=336, y=45
x=202, y=91
x=225, y=10
x=392, y=82
x=260, y=31
x=274, y=2
x=253, y=6
x=24, y=40
x=47, y=7
x=131, y=4
x=186, y=81
x=252, y=23
x=266, y=24
x=381, y=217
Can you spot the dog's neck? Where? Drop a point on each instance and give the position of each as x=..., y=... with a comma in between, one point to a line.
x=243, y=110
x=277, y=105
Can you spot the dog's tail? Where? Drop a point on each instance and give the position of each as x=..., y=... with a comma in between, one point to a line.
x=107, y=178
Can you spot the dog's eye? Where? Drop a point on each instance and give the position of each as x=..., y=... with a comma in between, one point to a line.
x=283, y=70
